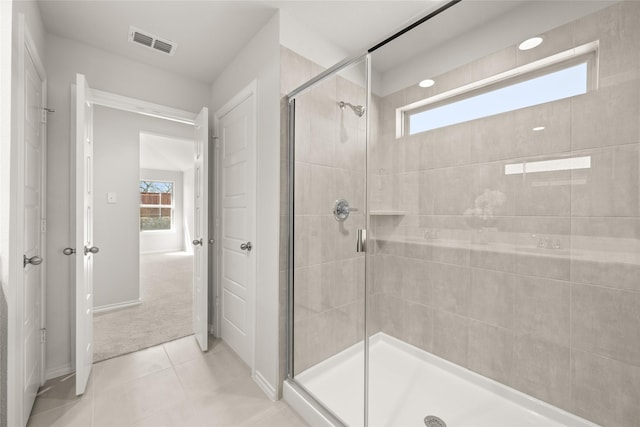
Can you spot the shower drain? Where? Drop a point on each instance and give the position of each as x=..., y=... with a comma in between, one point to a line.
x=433, y=421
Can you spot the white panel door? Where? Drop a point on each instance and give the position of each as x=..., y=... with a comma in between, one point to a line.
x=32, y=246
x=201, y=234
x=85, y=248
x=238, y=187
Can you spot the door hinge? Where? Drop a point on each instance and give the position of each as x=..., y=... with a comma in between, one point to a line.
x=216, y=140
x=43, y=335
x=44, y=116
x=43, y=226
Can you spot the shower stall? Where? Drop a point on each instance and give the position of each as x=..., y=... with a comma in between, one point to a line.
x=464, y=222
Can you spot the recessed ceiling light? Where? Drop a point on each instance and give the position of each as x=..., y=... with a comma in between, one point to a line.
x=530, y=43
x=426, y=83
x=538, y=128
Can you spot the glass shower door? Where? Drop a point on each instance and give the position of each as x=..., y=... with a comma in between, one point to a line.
x=503, y=184
x=329, y=161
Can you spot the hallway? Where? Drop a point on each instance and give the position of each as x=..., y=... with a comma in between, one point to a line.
x=172, y=385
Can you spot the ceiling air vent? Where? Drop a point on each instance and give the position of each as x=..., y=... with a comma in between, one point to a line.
x=144, y=38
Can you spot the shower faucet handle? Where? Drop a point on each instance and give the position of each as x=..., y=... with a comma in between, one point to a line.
x=341, y=210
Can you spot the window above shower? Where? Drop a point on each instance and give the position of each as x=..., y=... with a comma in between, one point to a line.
x=564, y=75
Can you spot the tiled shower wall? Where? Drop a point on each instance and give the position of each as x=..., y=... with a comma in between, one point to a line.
x=329, y=165
x=543, y=294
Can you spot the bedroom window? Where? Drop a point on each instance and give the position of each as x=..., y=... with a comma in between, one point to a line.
x=156, y=205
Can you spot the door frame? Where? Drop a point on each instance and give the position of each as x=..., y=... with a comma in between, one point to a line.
x=138, y=106
x=250, y=90
x=15, y=358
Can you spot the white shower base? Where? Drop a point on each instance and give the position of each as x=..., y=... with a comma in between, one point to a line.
x=408, y=384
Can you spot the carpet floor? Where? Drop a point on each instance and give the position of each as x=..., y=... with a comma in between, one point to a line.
x=164, y=314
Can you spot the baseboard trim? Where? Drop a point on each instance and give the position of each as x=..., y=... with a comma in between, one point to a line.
x=116, y=306
x=59, y=371
x=265, y=386
x=162, y=251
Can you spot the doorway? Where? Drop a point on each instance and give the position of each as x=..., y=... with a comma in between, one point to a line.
x=163, y=308
x=127, y=251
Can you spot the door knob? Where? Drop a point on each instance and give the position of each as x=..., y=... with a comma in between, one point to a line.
x=246, y=246
x=197, y=242
x=68, y=251
x=92, y=249
x=34, y=260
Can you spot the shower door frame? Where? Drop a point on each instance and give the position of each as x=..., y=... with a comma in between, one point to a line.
x=291, y=101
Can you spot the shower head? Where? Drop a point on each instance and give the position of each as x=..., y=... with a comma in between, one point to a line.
x=358, y=109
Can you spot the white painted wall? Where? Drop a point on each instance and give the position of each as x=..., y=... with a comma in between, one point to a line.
x=166, y=240
x=105, y=71
x=260, y=60
x=304, y=41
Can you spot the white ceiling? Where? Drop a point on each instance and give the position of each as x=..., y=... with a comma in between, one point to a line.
x=165, y=153
x=210, y=33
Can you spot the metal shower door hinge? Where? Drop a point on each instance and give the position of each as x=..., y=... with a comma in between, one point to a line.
x=361, y=243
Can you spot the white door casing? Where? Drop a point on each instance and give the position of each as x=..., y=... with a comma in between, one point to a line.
x=31, y=286
x=237, y=189
x=201, y=234
x=84, y=234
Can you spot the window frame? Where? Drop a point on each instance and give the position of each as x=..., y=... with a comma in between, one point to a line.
x=584, y=54
x=159, y=206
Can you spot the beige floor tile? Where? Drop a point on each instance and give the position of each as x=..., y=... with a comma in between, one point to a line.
x=202, y=377
x=112, y=408
x=279, y=415
x=183, y=350
x=144, y=389
x=173, y=416
x=153, y=393
x=233, y=405
x=216, y=369
x=117, y=371
x=58, y=392
x=76, y=414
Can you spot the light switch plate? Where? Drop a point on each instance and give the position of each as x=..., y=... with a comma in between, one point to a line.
x=112, y=197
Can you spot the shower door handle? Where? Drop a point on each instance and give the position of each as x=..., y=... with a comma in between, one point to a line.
x=361, y=244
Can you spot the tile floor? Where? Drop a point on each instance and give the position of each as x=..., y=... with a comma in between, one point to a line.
x=172, y=385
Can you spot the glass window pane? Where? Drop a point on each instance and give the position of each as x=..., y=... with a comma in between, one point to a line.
x=553, y=86
x=158, y=193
